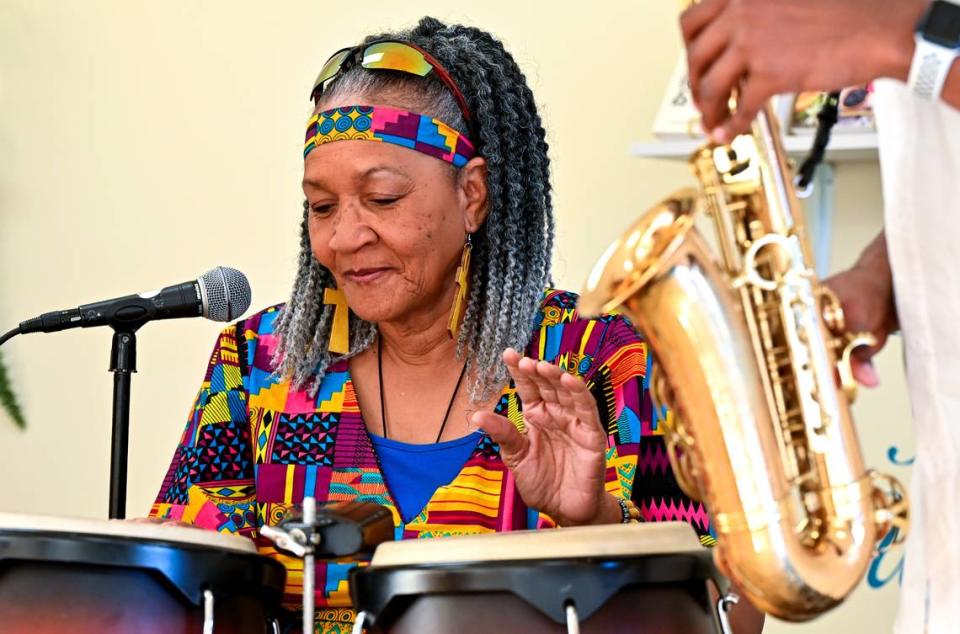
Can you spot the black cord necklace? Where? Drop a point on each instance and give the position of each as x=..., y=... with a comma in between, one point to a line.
x=383, y=411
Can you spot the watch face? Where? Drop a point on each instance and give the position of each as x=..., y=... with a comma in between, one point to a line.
x=942, y=25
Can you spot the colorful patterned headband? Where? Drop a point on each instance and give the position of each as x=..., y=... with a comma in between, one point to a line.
x=389, y=125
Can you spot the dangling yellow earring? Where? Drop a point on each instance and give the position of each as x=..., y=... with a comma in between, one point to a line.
x=463, y=291
x=340, y=330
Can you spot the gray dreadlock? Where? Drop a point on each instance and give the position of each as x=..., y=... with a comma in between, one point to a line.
x=511, y=252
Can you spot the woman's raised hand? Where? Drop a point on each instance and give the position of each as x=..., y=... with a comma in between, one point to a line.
x=559, y=463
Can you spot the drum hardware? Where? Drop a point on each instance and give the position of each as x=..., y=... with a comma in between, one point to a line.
x=207, y=612
x=573, y=620
x=360, y=623
x=208, y=615
x=301, y=539
x=333, y=530
x=724, y=604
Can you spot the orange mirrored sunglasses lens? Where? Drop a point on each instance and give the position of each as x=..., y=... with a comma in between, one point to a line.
x=331, y=68
x=395, y=56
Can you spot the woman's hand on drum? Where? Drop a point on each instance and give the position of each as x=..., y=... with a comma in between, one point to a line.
x=560, y=462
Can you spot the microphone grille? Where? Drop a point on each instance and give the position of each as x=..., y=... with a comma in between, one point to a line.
x=226, y=293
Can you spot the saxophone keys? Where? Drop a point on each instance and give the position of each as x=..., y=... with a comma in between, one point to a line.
x=831, y=310
x=891, y=507
x=779, y=261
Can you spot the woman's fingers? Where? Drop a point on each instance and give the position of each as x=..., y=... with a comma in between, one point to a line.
x=536, y=381
x=526, y=387
x=566, y=398
x=513, y=444
x=584, y=405
x=543, y=382
x=554, y=374
x=547, y=379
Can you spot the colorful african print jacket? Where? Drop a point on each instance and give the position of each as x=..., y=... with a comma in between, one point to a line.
x=254, y=447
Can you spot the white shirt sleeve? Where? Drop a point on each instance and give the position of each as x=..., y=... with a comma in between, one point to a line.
x=920, y=164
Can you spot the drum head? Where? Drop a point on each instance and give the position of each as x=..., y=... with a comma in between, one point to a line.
x=134, y=530
x=612, y=540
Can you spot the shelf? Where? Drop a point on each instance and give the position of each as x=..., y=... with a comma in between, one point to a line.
x=844, y=147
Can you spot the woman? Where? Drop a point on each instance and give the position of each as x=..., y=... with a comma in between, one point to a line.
x=423, y=263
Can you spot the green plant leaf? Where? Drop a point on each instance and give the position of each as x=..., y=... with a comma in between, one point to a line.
x=8, y=400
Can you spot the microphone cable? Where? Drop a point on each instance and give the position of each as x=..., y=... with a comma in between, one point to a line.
x=10, y=335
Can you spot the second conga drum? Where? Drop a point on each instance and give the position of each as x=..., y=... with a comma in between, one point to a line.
x=86, y=577
x=604, y=579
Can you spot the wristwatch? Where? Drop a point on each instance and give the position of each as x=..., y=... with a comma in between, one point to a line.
x=938, y=45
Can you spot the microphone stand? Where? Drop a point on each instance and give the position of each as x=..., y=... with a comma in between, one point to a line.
x=123, y=362
x=230, y=294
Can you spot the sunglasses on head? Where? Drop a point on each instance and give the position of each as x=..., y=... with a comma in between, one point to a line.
x=391, y=55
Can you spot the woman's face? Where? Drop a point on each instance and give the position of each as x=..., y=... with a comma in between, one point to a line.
x=390, y=224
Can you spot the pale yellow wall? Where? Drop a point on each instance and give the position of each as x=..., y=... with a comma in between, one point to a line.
x=142, y=143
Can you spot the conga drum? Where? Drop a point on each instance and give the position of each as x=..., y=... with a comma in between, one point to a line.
x=111, y=577
x=600, y=579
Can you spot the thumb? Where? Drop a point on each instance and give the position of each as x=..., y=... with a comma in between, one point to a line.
x=864, y=372
x=512, y=443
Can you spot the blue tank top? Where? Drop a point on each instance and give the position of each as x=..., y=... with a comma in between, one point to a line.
x=415, y=472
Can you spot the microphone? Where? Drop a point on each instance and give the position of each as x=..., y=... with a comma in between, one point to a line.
x=220, y=294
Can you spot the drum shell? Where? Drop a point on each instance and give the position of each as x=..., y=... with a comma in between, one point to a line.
x=60, y=582
x=660, y=593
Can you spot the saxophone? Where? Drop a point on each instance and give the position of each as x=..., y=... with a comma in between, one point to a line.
x=750, y=349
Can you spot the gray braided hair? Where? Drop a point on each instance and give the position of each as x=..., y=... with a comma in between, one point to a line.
x=511, y=251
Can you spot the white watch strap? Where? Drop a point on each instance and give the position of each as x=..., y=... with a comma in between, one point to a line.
x=931, y=65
